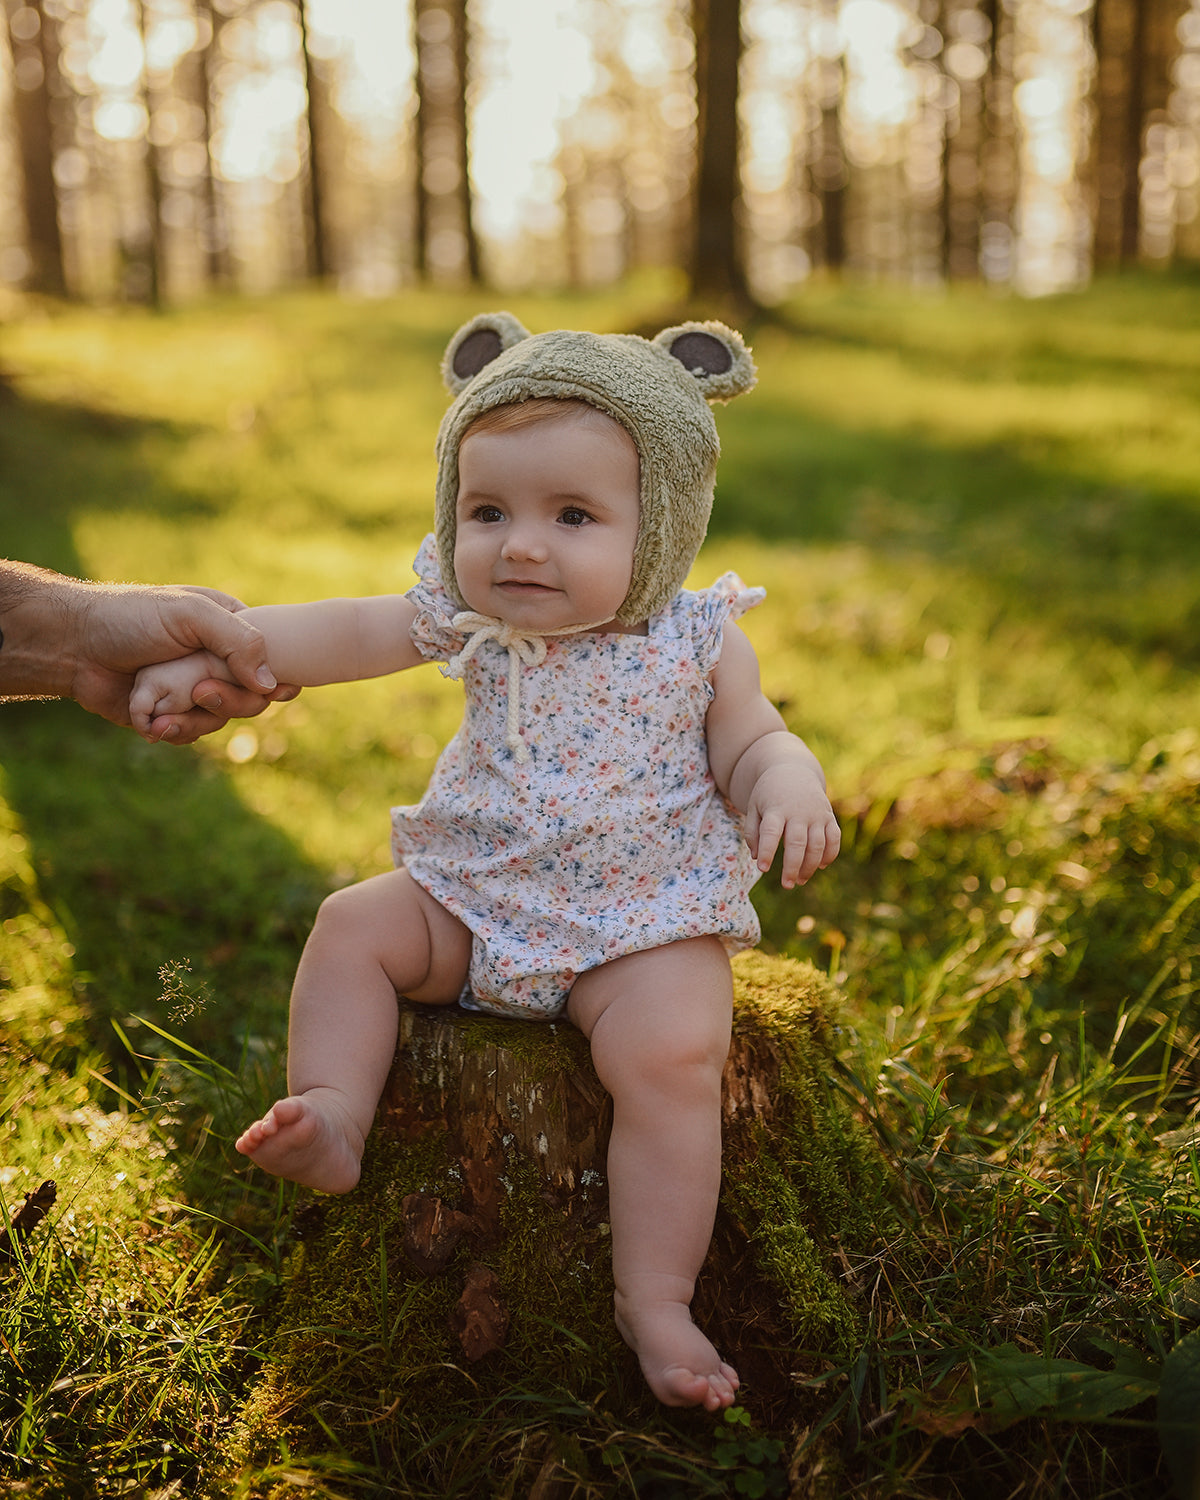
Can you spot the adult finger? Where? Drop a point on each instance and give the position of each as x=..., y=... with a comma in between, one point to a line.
x=218, y=596
x=185, y=728
x=229, y=700
x=230, y=635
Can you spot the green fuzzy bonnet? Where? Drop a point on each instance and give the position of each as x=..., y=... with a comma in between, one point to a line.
x=658, y=389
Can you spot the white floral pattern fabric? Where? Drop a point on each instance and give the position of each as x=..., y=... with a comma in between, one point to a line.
x=612, y=836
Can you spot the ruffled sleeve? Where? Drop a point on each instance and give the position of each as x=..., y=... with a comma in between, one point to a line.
x=727, y=599
x=433, y=630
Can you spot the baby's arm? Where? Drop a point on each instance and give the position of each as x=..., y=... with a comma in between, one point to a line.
x=766, y=771
x=331, y=640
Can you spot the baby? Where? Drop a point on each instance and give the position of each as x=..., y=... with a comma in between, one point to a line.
x=589, y=838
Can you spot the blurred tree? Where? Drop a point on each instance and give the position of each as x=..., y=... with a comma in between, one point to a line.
x=462, y=98
x=716, y=266
x=998, y=155
x=317, y=235
x=33, y=39
x=829, y=171
x=444, y=218
x=421, y=192
x=1135, y=44
x=627, y=150
x=964, y=29
x=214, y=237
x=150, y=251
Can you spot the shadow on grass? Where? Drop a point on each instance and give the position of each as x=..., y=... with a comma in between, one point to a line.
x=147, y=856
x=1036, y=539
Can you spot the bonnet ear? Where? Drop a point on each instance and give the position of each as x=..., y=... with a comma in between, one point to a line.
x=715, y=355
x=476, y=345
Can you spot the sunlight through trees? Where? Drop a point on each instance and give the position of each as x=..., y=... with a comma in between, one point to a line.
x=154, y=148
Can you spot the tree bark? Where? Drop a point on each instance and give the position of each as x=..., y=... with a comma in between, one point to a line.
x=318, y=257
x=829, y=174
x=214, y=230
x=998, y=155
x=1135, y=122
x=444, y=203
x=466, y=201
x=35, y=58
x=716, y=267
x=153, y=246
x=420, y=234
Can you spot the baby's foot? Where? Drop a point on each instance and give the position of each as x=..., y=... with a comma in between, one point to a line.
x=680, y=1365
x=309, y=1138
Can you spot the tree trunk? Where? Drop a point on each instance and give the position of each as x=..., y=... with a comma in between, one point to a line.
x=33, y=39
x=716, y=263
x=444, y=204
x=152, y=258
x=472, y=1260
x=998, y=155
x=1135, y=121
x=829, y=174
x=420, y=234
x=215, y=235
x=318, y=256
x=466, y=201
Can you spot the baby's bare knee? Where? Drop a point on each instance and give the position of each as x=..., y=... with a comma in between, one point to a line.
x=668, y=1061
x=370, y=912
x=342, y=910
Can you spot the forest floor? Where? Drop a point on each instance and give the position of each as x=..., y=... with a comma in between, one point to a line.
x=978, y=522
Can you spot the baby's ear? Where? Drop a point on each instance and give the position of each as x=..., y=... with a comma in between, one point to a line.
x=477, y=344
x=715, y=355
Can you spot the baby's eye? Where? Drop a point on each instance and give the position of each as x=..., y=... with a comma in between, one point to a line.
x=489, y=514
x=573, y=516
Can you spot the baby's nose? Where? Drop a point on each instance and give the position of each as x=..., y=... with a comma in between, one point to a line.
x=525, y=540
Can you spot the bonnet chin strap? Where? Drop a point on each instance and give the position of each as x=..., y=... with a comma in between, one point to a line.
x=524, y=647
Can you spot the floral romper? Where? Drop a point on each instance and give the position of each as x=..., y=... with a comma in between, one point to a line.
x=610, y=836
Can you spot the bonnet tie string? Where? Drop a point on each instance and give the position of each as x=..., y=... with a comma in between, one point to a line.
x=524, y=647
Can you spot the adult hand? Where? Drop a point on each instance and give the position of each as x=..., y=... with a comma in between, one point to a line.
x=125, y=629
x=66, y=638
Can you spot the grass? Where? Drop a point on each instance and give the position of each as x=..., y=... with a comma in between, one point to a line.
x=977, y=520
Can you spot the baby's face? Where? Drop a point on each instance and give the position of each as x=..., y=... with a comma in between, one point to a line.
x=547, y=518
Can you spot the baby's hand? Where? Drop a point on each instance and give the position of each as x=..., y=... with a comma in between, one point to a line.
x=166, y=689
x=788, y=805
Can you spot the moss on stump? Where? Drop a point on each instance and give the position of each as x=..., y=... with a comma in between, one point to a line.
x=459, y=1300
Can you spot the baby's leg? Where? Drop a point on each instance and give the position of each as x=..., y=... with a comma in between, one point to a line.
x=370, y=943
x=659, y=1025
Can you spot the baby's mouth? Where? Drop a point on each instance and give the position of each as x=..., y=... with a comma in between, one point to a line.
x=524, y=586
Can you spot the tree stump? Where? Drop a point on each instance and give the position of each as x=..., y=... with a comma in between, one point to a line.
x=472, y=1261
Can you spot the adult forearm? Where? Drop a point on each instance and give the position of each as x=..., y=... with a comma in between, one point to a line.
x=40, y=613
